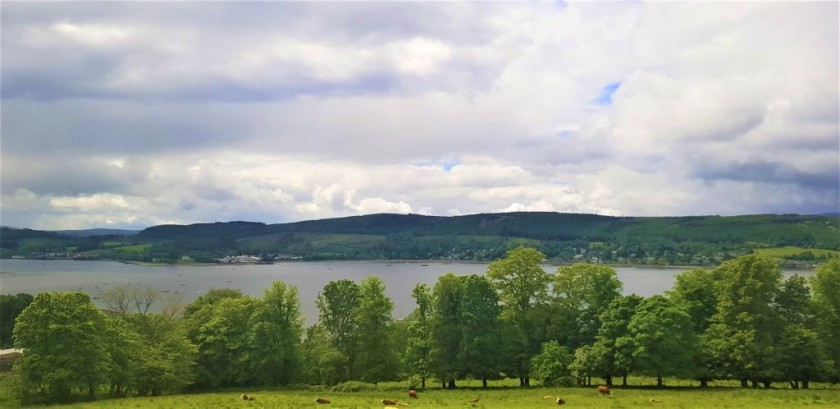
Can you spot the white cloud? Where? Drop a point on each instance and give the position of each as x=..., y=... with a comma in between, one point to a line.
x=286, y=111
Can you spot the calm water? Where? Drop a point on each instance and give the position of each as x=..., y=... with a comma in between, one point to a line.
x=92, y=277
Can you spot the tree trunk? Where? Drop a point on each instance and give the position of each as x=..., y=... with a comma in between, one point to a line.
x=422, y=383
x=484, y=383
x=767, y=384
x=521, y=382
x=624, y=380
x=527, y=381
x=804, y=384
x=794, y=384
x=588, y=380
x=704, y=383
x=659, y=381
x=452, y=384
x=744, y=383
x=608, y=380
x=754, y=384
x=443, y=384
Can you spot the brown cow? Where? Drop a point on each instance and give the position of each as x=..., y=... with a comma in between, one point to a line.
x=389, y=402
x=604, y=391
x=322, y=400
x=245, y=396
x=412, y=393
x=561, y=401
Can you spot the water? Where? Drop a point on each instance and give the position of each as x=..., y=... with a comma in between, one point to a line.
x=93, y=277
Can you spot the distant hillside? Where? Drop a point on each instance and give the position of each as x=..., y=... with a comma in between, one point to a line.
x=563, y=237
x=96, y=232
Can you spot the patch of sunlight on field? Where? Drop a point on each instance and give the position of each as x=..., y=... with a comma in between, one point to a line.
x=779, y=252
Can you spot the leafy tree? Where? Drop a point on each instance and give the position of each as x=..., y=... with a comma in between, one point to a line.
x=696, y=291
x=664, y=339
x=522, y=285
x=337, y=306
x=223, y=344
x=165, y=361
x=741, y=341
x=802, y=356
x=826, y=303
x=584, y=366
x=63, y=334
x=611, y=356
x=323, y=364
x=275, y=336
x=10, y=307
x=581, y=293
x=481, y=343
x=419, y=333
x=376, y=357
x=200, y=311
x=446, y=329
x=551, y=365
x=793, y=301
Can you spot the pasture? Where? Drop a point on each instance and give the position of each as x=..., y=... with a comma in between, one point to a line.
x=506, y=397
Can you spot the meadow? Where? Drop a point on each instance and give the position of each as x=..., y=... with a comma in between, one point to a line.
x=682, y=395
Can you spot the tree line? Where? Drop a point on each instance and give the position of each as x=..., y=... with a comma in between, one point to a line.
x=739, y=321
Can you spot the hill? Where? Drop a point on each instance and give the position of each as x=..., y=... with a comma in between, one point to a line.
x=566, y=237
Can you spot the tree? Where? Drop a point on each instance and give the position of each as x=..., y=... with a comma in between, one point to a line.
x=741, y=340
x=63, y=334
x=376, y=357
x=337, y=306
x=445, y=329
x=581, y=293
x=276, y=330
x=419, y=333
x=551, y=365
x=10, y=307
x=583, y=367
x=696, y=291
x=664, y=339
x=200, y=311
x=522, y=285
x=223, y=344
x=323, y=364
x=481, y=338
x=611, y=356
x=826, y=303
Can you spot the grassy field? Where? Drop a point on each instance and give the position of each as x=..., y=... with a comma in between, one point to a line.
x=779, y=252
x=503, y=398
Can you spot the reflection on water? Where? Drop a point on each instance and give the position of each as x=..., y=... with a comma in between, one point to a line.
x=93, y=277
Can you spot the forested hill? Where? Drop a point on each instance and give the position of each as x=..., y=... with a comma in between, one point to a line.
x=561, y=236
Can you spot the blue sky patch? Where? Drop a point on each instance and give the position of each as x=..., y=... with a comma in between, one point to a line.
x=605, y=97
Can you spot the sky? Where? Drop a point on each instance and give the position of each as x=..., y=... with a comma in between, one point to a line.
x=128, y=115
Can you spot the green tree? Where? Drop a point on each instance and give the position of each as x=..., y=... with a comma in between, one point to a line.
x=551, y=365
x=481, y=347
x=337, y=305
x=741, y=341
x=323, y=364
x=200, y=311
x=224, y=346
x=376, y=358
x=611, y=357
x=664, y=339
x=696, y=291
x=584, y=366
x=522, y=285
x=64, y=336
x=445, y=329
x=276, y=335
x=581, y=292
x=10, y=307
x=825, y=285
x=419, y=334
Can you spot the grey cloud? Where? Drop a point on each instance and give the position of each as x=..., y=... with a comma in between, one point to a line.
x=57, y=174
x=761, y=171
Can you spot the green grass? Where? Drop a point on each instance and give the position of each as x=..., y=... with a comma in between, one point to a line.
x=134, y=249
x=504, y=397
x=780, y=252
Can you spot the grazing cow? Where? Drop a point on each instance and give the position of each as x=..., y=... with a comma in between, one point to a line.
x=389, y=402
x=412, y=394
x=474, y=400
x=604, y=391
x=245, y=396
x=561, y=401
x=322, y=400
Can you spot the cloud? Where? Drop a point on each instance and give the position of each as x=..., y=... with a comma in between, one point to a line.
x=129, y=114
